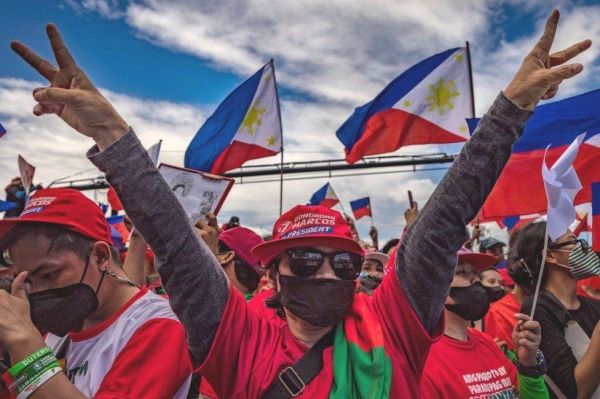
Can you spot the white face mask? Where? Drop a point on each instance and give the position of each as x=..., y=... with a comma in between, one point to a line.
x=582, y=264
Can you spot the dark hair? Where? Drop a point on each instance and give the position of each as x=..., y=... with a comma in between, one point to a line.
x=389, y=245
x=245, y=273
x=526, y=247
x=274, y=301
x=59, y=239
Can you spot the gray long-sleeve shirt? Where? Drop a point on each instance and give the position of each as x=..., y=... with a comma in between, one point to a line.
x=196, y=284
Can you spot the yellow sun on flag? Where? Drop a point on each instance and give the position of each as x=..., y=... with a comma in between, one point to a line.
x=441, y=96
x=253, y=117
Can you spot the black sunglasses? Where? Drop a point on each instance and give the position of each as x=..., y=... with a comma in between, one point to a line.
x=585, y=247
x=306, y=262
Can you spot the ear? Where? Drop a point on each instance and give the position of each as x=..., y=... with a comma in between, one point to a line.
x=100, y=255
x=226, y=257
x=550, y=256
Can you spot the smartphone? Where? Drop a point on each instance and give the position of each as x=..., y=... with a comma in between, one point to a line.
x=410, y=199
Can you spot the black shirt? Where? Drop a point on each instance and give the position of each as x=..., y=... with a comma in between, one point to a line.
x=553, y=317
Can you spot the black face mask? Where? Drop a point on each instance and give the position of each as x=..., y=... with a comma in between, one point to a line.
x=60, y=310
x=472, y=302
x=496, y=293
x=318, y=301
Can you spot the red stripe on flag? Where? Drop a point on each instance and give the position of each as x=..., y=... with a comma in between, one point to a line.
x=329, y=202
x=236, y=154
x=520, y=189
x=391, y=129
x=361, y=212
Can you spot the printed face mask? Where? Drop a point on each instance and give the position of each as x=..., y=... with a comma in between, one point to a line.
x=472, y=302
x=60, y=310
x=582, y=264
x=496, y=293
x=320, y=302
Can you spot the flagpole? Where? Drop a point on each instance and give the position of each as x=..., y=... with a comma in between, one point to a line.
x=539, y=282
x=471, y=80
x=281, y=148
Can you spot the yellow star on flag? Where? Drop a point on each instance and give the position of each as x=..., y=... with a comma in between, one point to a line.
x=458, y=57
x=253, y=117
x=406, y=103
x=463, y=129
x=271, y=141
x=266, y=78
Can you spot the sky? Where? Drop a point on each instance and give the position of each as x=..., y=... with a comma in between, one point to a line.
x=166, y=65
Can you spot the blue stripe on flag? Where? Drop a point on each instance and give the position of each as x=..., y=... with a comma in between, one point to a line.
x=220, y=128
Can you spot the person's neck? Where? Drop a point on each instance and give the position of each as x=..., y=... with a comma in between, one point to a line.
x=117, y=295
x=564, y=288
x=456, y=326
x=305, y=332
x=519, y=293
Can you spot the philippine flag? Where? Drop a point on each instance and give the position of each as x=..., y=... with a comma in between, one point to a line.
x=596, y=216
x=247, y=125
x=520, y=188
x=2, y=130
x=361, y=207
x=426, y=104
x=325, y=196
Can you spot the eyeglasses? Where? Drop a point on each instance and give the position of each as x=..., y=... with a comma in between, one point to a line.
x=585, y=247
x=306, y=262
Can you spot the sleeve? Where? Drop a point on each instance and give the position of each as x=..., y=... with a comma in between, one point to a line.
x=154, y=363
x=193, y=279
x=429, y=388
x=529, y=387
x=558, y=354
x=401, y=327
x=426, y=257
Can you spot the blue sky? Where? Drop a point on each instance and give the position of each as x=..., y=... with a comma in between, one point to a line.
x=167, y=64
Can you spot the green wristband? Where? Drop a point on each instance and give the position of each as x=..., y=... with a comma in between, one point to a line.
x=33, y=369
x=17, y=368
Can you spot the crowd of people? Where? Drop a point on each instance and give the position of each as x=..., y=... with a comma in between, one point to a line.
x=312, y=310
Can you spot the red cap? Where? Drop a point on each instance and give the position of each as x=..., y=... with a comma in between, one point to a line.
x=506, y=279
x=308, y=226
x=241, y=240
x=64, y=207
x=480, y=261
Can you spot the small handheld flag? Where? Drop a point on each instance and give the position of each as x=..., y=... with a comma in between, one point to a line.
x=428, y=103
x=596, y=216
x=27, y=171
x=561, y=184
x=245, y=126
x=325, y=196
x=2, y=130
x=361, y=207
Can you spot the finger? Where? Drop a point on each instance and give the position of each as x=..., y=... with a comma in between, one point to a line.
x=521, y=316
x=212, y=219
x=18, y=286
x=45, y=68
x=532, y=326
x=542, y=47
x=563, y=72
x=528, y=335
x=551, y=92
x=200, y=224
x=415, y=205
x=565, y=55
x=62, y=55
x=54, y=95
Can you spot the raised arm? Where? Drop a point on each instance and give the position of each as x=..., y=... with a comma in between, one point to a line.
x=426, y=258
x=185, y=263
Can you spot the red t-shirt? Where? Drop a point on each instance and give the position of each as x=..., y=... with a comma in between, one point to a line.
x=499, y=322
x=250, y=351
x=471, y=369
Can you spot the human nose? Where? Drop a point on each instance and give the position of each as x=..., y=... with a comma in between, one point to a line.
x=326, y=270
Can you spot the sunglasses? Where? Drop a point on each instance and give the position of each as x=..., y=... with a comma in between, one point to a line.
x=306, y=262
x=585, y=247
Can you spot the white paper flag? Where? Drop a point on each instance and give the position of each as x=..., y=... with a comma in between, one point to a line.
x=562, y=184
